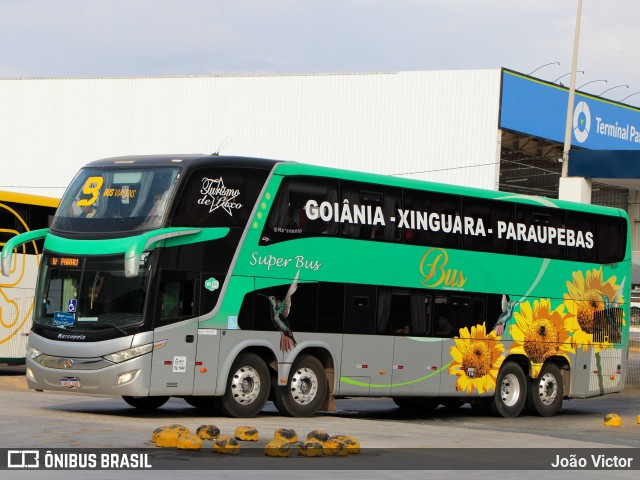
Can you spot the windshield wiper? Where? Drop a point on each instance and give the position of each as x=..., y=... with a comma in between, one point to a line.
x=112, y=325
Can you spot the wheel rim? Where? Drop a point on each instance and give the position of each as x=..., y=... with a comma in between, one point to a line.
x=548, y=389
x=510, y=390
x=304, y=386
x=245, y=385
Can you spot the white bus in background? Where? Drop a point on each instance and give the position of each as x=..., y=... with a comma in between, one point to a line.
x=20, y=213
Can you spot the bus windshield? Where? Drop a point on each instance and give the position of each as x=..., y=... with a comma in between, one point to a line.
x=90, y=293
x=116, y=199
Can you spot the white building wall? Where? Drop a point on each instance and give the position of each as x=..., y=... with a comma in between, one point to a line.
x=440, y=125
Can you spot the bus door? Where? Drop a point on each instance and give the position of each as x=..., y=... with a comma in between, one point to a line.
x=367, y=353
x=417, y=356
x=176, y=323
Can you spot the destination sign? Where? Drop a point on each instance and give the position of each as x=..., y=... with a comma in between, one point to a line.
x=64, y=262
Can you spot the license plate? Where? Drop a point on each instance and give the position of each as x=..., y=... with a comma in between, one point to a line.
x=70, y=382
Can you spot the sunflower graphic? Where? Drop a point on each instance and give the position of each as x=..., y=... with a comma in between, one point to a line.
x=540, y=332
x=477, y=357
x=586, y=297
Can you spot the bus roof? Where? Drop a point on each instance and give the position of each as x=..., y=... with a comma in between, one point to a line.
x=294, y=168
x=187, y=160
x=28, y=199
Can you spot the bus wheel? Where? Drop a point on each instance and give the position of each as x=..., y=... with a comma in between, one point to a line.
x=247, y=386
x=417, y=404
x=306, y=388
x=511, y=391
x=146, y=403
x=546, y=391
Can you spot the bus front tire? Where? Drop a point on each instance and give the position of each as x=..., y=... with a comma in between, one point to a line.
x=146, y=403
x=247, y=387
x=511, y=391
x=306, y=388
x=546, y=392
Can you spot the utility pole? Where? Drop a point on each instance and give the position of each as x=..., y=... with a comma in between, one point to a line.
x=572, y=94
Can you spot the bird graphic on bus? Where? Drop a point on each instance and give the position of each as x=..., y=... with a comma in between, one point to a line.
x=507, y=312
x=279, y=310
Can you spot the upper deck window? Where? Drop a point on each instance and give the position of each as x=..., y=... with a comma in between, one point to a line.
x=116, y=199
x=219, y=197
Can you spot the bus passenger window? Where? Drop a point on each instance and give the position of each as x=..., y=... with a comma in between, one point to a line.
x=330, y=307
x=360, y=309
x=443, y=326
x=369, y=209
x=394, y=312
x=295, y=212
x=428, y=309
x=422, y=227
x=218, y=197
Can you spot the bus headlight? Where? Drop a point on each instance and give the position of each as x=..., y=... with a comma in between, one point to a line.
x=129, y=353
x=33, y=353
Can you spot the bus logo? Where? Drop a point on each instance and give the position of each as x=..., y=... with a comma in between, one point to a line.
x=433, y=268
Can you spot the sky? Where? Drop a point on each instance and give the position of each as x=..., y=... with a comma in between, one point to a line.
x=134, y=38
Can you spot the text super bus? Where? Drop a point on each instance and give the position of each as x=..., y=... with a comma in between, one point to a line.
x=230, y=281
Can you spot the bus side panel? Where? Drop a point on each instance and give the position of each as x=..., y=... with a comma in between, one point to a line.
x=367, y=365
x=206, y=368
x=605, y=372
x=417, y=365
x=174, y=363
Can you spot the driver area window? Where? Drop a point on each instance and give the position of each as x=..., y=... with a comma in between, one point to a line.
x=176, y=298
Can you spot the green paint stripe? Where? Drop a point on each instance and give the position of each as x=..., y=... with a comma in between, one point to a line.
x=121, y=245
x=543, y=268
x=357, y=383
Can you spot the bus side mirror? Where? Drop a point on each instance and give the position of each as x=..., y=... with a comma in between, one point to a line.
x=133, y=254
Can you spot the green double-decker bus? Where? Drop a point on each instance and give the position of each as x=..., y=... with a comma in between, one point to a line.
x=231, y=281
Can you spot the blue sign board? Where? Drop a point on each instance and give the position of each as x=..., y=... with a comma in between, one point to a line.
x=539, y=108
x=63, y=319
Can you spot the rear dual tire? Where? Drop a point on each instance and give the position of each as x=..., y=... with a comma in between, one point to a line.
x=306, y=388
x=546, y=392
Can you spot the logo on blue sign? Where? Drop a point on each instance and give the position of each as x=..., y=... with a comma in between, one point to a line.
x=581, y=121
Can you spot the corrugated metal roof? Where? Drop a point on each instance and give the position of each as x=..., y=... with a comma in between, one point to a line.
x=440, y=125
